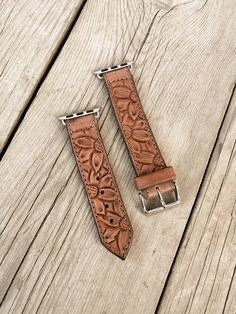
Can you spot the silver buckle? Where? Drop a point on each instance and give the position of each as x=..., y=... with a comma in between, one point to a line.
x=100, y=73
x=80, y=114
x=164, y=205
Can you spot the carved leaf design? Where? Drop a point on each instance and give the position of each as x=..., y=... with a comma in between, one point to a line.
x=158, y=160
x=97, y=160
x=117, y=208
x=150, y=146
x=147, y=168
x=124, y=224
x=85, y=142
x=127, y=131
x=140, y=135
x=145, y=157
x=104, y=170
x=90, y=133
x=122, y=105
x=92, y=177
x=127, y=120
x=93, y=191
x=106, y=181
x=122, y=240
x=139, y=124
x=98, y=146
x=100, y=207
x=84, y=155
x=112, y=220
x=111, y=234
x=122, y=92
x=133, y=110
x=107, y=194
x=135, y=146
x=134, y=96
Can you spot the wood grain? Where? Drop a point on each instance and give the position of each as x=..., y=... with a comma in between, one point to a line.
x=51, y=257
x=30, y=34
x=203, y=277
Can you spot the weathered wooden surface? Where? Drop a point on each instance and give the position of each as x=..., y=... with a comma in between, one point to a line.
x=30, y=34
x=51, y=258
x=203, y=277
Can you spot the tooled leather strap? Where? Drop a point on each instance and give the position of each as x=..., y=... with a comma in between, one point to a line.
x=148, y=162
x=108, y=209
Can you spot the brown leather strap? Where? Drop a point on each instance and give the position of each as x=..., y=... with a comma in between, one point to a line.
x=148, y=162
x=108, y=209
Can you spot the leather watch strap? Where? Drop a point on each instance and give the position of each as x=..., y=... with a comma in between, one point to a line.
x=154, y=179
x=110, y=215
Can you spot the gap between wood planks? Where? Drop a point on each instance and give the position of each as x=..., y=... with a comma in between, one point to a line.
x=41, y=79
x=196, y=199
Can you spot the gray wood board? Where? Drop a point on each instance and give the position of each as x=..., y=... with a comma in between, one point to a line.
x=31, y=33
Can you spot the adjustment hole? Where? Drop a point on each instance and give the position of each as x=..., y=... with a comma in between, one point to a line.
x=111, y=220
x=102, y=192
x=106, y=205
x=97, y=178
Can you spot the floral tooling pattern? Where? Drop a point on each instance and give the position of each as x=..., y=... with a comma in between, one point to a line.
x=145, y=153
x=109, y=212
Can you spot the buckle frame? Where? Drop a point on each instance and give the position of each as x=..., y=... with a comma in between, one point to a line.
x=164, y=205
x=79, y=114
x=115, y=67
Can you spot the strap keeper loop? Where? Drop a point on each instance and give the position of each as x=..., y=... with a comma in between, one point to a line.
x=155, y=178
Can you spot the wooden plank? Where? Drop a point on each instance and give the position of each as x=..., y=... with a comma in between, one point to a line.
x=203, y=277
x=51, y=257
x=30, y=34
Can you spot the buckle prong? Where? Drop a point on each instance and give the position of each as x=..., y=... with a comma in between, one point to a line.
x=164, y=205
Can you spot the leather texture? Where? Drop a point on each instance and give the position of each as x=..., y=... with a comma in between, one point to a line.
x=157, y=177
x=142, y=146
x=110, y=215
